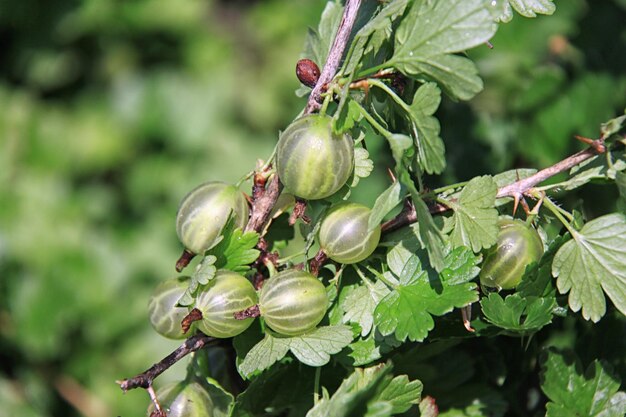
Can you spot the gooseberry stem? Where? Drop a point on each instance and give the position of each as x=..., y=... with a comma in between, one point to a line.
x=556, y=210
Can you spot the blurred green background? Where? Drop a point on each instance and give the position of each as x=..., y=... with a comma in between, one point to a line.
x=110, y=111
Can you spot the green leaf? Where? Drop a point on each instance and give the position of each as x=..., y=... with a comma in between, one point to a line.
x=407, y=311
x=235, y=251
x=318, y=41
x=385, y=203
x=527, y=8
x=572, y=393
x=460, y=266
x=594, y=260
x=359, y=304
x=596, y=168
x=474, y=220
x=347, y=115
x=223, y=401
x=612, y=126
x=313, y=349
x=425, y=128
x=370, y=392
x=433, y=30
x=518, y=314
x=263, y=355
x=372, y=36
x=430, y=235
x=401, y=149
x=205, y=271
x=370, y=349
x=363, y=165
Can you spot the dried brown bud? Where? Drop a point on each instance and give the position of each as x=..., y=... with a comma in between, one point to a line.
x=308, y=72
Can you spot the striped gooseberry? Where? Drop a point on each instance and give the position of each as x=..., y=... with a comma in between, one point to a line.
x=204, y=211
x=293, y=302
x=226, y=294
x=185, y=399
x=343, y=234
x=165, y=316
x=518, y=246
x=312, y=161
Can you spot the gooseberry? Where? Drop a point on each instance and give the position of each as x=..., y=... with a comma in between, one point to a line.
x=165, y=316
x=293, y=302
x=518, y=246
x=185, y=399
x=226, y=294
x=204, y=211
x=343, y=234
x=312, y=161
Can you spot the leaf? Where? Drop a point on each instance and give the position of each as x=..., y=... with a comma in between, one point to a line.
x=315, y=348
x=518, y=314
x=222, y=400
x=474, y=220
x=205, y=271
x=385, y=203
x=596, y=168
x=372, y=36
x=401, y=149
x=460, y=266
x=370, y=392
x=572, y=393
x=612, y=126
x=527, y=8
x=318, y=41
x=263, y=355
x=594, y=260
x=407, y=311
x=363, y=165
x=400, y=394
x=347, y=115
x=430, y=147
x=235, y=251
x=370, y=349
x=430, y=235
x=433, y=30
x=360, y=302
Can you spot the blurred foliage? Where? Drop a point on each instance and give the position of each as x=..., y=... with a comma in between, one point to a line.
x=110, y=111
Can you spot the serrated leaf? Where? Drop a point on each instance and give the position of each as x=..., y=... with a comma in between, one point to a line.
x=433, y=30
x=460, y=266
x=385, y=203
x=318, y=41
x=347, y=115
x=516, y=313
x=430, y=235
x=360, y=302
x=400, y=394
x=572, y=393
x=370, y=392
x=205, y=271
x=315, y=348
x=372, y=36
x=370, y=349
x=612, y=126
x=263, y=355
x=425, y=128
x=474, y=220
x=363, y=165
x=403, y=261
x=236, y=250
x=527, y=8
x=407, y=311
x=593, y=261
x=401, y=149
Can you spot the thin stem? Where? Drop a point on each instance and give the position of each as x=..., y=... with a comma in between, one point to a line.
x=316, y=385
x=450, y=187
x=377, y=83
x=373, y=121
x=382, y=278
x=361, y=275
x=335, y=54
x=372, y=70
x=556, y=210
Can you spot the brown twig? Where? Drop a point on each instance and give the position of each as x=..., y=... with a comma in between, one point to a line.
x=516, y=190
x=144, y=379
x=335, y=54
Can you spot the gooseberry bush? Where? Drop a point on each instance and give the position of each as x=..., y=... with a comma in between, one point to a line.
x=368, y=315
